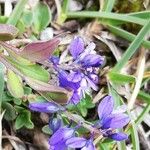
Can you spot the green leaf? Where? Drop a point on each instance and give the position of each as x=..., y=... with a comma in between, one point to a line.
x=47, y=130
x=10, y=112
x=16, y=14
x=41, y=16
x=27, y=90
x=34, y=71
x=121, y=78
x=27, y=18
x=17, y=101
x=6, y=97
x=84, y=105
x=24, y=120
x=21, y=26
x=133, y=47
x=14, y=84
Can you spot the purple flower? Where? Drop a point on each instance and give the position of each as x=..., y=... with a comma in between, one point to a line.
x=78, y=142
x=55, y=124
x=81, y=76
x=111, y=120
x=69, y=80
x=76, y=47
x=59, y=138
x=54, y=59
x=92, y=60
x=46, y=107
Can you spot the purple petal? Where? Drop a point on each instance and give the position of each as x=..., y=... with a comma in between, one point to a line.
x=119, y=136
x=89, y=146
x=105, y=107
x=92, y=60
x=115, y=121
x=55, y=124
x=94, y=77
x=76, y=47
x=62, y=134
x=69, y=81
x=54, y=60
x=92, y=84
x=75, y=99
x=76, y=142
x=58, y=146
x=47, y=107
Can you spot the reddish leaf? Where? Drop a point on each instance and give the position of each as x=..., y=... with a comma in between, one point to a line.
x=39, y=51
x=7, y=32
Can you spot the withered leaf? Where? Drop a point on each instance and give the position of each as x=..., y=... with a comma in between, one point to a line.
x=50, y=92
x=39, y=51
x=7, y=32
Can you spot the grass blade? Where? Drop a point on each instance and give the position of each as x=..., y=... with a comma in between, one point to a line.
x=121, y=78
x=15, y=16
x=133, y=47
x=142, y=115
x=108, y=6
x=126, y=35
x=144, y=96
x=106, y=15
x=141, y=14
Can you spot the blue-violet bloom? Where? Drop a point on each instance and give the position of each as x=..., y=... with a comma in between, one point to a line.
x=111, y=120
x=55, y=124
x=46, y=107
x=58, y=140
x=78, y=142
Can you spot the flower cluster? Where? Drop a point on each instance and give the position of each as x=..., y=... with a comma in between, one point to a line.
x=64, y=136
x=110, y=119
x=84, y=73
x=81, y=78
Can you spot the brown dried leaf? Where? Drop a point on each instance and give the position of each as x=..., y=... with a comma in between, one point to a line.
x=50, y=92
x=7, y=32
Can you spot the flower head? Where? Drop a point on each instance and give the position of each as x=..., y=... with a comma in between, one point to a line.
x=82, y=75
x=76, y=47
x=58, y=140
x=111, y=120
x=55, y=124
x=46, y=107
x=78, y=142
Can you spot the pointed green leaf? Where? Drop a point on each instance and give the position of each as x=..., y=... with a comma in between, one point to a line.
x=24, y=120
x=14, y=84
x=41, y=16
